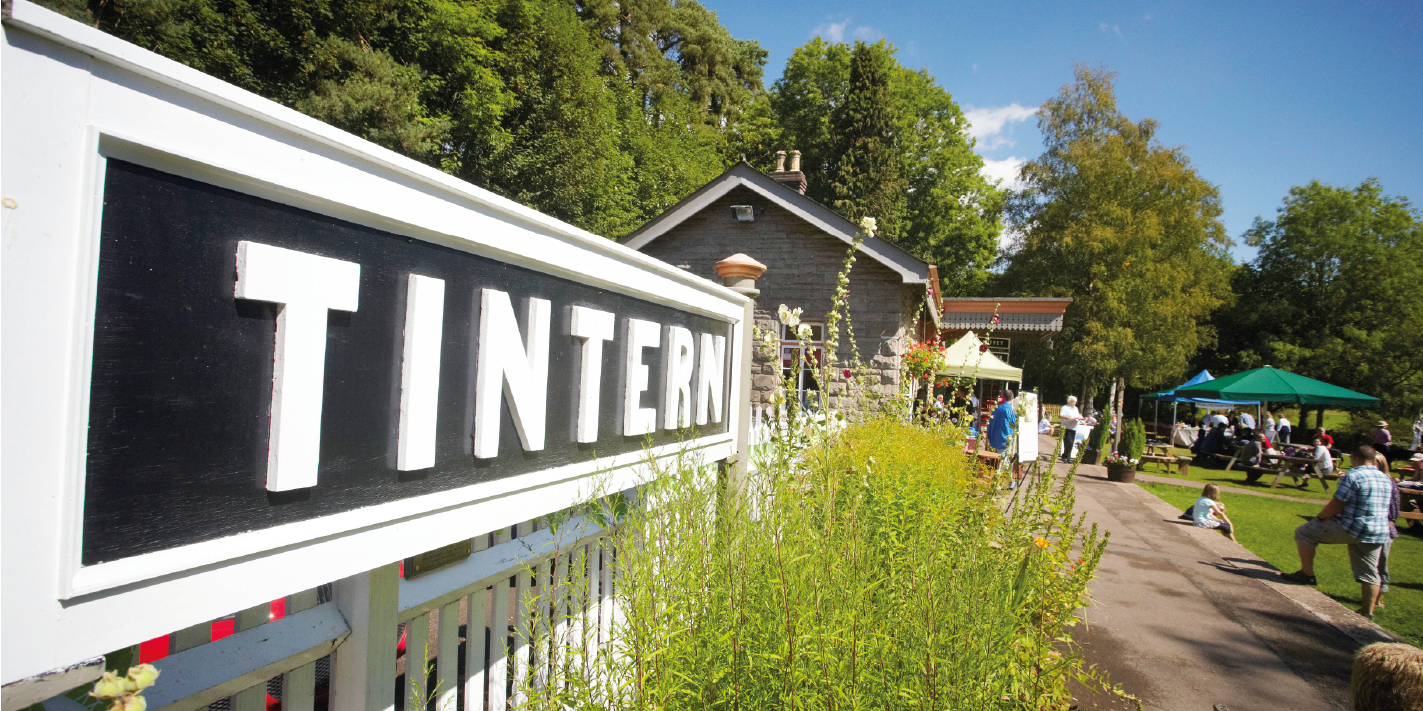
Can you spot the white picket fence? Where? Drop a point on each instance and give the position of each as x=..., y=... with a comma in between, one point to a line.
x=467, y=621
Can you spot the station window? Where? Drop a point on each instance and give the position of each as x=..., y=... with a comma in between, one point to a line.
x=805, y=380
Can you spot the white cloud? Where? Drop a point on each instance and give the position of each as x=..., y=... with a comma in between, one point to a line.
x=834, y=31
x=1004, y=171
x=839, y=31
x=987, y=125
x=1115, y=28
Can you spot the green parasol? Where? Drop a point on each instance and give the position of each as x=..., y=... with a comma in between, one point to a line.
x=1275, y=385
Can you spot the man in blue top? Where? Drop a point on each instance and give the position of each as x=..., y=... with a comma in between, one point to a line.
x=1000, y=428
x=1358, y=517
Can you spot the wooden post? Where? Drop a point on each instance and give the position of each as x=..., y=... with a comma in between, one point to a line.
x=202, y=634
x=447, y=663
x=1112, y=411
x=254, y=698
x=476, y=639
x=739, y=273
x=499, y=639
x=417, y=660
x=363, y=668
x=299, y=684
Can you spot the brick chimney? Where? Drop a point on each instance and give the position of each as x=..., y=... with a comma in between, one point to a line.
x=793, y=178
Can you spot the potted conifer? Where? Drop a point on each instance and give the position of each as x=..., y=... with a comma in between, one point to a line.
x=1096, y=443
x=1121, y=464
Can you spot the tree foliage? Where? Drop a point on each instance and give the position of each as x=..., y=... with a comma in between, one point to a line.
x=867, y=180
x=1127, y=228
x=947, y=213
x=601, y=114
x=1333, y=294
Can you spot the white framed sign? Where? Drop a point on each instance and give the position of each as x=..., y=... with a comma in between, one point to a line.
x=245, y=353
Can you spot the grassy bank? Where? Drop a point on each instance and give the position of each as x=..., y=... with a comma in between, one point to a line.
x=1266, y=527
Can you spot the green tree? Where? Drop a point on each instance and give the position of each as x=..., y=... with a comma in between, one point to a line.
x=867, y=178
x=1334, y=294
x=601, y=114
x=1127, y=228
x=948, y=214
x=559, y=147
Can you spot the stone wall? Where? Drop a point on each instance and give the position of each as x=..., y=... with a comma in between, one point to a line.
x=801, y=268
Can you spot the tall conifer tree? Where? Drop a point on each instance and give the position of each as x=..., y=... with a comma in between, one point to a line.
x=867, y=182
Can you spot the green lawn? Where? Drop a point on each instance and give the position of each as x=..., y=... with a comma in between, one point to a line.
x=1236, y=477
x=1266, y=527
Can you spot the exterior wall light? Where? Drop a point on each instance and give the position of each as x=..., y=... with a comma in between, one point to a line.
x=744, y=213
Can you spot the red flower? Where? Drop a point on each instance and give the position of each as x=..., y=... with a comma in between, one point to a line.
x=983, y=348
x=847, y=373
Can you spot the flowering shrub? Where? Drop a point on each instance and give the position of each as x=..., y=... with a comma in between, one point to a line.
x=1119, y=458
x=921, y=359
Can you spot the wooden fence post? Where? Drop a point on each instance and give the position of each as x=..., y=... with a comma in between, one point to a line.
x=363, y=668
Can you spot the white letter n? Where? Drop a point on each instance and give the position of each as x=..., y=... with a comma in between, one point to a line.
x=522, y=369
x=306, y=286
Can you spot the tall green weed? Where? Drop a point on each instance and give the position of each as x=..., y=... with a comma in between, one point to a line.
x=875, y=571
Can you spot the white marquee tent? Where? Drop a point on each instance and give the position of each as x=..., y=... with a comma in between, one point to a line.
x=966, y=358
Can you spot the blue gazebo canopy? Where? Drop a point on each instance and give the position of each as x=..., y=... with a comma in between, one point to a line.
x=1201, y=377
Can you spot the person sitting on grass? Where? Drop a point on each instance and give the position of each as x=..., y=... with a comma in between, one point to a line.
x=1357, y=517
x=1207, y=508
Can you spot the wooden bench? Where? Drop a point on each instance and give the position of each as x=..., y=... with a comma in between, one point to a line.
x=1183, y=464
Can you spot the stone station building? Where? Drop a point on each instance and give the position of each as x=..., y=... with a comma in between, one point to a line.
x=802, y=245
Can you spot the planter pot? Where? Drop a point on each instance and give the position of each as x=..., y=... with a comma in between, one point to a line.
x=1091, y=456
x=1124, y=473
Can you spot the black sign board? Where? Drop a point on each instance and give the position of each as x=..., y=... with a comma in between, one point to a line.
x=182, y=398
x=1000, y=347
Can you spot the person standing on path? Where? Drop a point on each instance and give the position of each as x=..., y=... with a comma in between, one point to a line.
x=1070, y=417
x=1284, y=428
x=1417, y=434
x=1357, y=516
x=1000, y=428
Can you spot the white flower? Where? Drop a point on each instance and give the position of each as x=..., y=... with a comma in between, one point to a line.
x=869, y=225
x=110, y=686
x=143, y=675
x=803, y=331
x=789, y=317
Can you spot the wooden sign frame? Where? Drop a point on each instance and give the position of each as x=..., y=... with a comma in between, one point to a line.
x=74, y=99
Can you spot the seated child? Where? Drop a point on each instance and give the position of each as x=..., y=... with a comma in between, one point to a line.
x=1324, y=463
x=1206, y=510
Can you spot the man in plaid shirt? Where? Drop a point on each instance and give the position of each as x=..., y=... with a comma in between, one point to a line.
x=1358, y=517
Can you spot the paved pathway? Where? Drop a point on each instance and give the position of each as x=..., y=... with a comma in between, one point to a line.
x=1184, y=619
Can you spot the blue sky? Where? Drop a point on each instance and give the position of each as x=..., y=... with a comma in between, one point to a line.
x=1263, y=96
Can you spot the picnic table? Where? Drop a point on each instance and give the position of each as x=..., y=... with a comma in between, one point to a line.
x=1307, y=464
x=1410, y=507
x=1159, y=453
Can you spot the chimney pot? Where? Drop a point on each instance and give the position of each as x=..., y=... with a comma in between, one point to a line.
x=793, y=178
